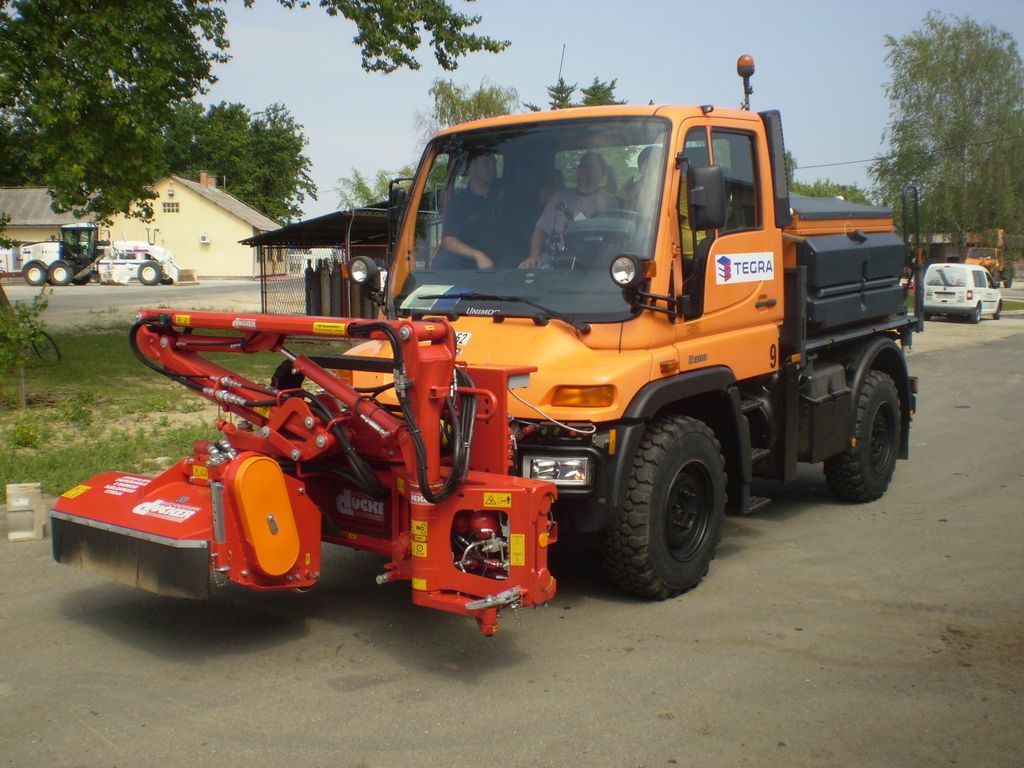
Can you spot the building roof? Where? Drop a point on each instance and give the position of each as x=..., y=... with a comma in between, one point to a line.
x=231, y=204
x=361, y=226
x=31, y=207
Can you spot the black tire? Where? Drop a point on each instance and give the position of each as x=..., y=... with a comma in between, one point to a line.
x=1008, y=281
x=975, y=316
x=663, y=539
x=999, y=311
x=150, y=273
x=35, y=273
x=61, y=273
x=45, y=348
x=862, y=472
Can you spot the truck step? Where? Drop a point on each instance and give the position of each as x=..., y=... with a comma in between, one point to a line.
x=756, y=454
x=751, y=405
x=757, y=503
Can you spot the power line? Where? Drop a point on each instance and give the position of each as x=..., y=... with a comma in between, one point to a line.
x=953, y=148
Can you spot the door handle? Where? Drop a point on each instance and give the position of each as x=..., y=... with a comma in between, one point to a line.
x=765, y=304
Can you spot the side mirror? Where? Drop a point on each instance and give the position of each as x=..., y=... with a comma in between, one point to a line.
x=396, y=202
x=706, y=185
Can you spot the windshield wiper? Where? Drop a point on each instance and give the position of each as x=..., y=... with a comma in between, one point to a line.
x=580, y=326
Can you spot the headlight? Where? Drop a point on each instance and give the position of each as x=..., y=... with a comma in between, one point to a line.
x=362, y=270
x=625, y=270
x=561, y=470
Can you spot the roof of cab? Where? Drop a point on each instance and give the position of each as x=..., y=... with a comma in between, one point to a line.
x=671, y=111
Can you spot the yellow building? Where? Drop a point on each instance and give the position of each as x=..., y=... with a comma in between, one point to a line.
x=202, y=224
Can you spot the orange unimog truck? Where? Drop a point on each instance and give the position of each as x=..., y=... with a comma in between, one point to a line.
x=987, y=251
x=691, y=325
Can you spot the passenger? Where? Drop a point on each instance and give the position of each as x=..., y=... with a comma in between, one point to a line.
x=591, y=196
x=470, y=225
x=638, y=193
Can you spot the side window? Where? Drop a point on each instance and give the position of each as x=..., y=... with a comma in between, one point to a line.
x=695, y=150
x=979, y=279
x=734, y=152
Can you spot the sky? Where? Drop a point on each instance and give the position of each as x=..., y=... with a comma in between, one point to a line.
x=821, y=63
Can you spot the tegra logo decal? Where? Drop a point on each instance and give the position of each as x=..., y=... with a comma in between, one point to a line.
x=744, y=268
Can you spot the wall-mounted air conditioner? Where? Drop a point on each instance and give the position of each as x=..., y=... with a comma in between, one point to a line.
x=204, y=238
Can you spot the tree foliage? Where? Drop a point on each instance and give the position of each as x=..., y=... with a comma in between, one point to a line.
x=454, y=104
x=358, y=190
x=561, y=95
x=599, y=93
x=956, y=125
x=257, y=156
x=94, y=83
x=829, y=188
x=390, y=30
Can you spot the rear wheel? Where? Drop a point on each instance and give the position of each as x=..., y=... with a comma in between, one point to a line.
x=1008, y=281
x=35, y=273
x=999, y=311
x=663, y=539
x=862, y=472
x=975, y=316
x=150, y=273
x=61, y=273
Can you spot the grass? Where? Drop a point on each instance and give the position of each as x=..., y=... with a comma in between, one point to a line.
x=99, y=409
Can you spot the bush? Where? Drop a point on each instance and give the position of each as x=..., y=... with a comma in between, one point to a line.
x=19, y=329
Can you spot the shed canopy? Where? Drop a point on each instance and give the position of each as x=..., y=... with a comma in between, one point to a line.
x=360, y=226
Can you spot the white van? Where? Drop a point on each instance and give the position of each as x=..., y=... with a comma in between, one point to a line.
x=965, y=290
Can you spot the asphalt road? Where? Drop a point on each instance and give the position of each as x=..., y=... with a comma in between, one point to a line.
x=97, y=305
x=888, y=634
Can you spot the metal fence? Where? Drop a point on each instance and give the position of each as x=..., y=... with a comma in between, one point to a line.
x=310, y=281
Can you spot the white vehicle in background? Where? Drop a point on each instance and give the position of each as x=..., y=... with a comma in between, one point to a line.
x=7, y=261
x=126, y=260
x=79, y=257
x=962, y=290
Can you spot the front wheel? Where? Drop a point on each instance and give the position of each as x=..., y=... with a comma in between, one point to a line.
x=61, y=273
x=862, y=472
x=35, y=273
x=999, y=311
x=150, y=273
x=663, y=539
x=1008, y=281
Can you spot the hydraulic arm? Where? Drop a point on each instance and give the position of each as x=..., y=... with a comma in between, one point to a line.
x=415, y=470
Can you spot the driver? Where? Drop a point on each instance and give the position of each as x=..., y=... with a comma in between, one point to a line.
x=591, y=195
x=471, y=221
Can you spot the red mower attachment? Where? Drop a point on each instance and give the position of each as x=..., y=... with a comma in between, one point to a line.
x=416, y=470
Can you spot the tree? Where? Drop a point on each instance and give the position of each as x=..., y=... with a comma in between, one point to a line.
x=357, y=190
x=823, y=187
x=599, y=93
x=560, y=95
x=956, y=125
x=829, y=188
x=455, y=104
x=94, y=80
x=260, y=155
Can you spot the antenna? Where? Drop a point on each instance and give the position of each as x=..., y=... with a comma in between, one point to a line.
x=745, y=69
x=561, y=61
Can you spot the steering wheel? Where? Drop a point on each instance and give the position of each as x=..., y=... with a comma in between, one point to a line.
x=618, y=213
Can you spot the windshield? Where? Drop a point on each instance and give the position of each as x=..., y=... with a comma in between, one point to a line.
x=535, y=211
